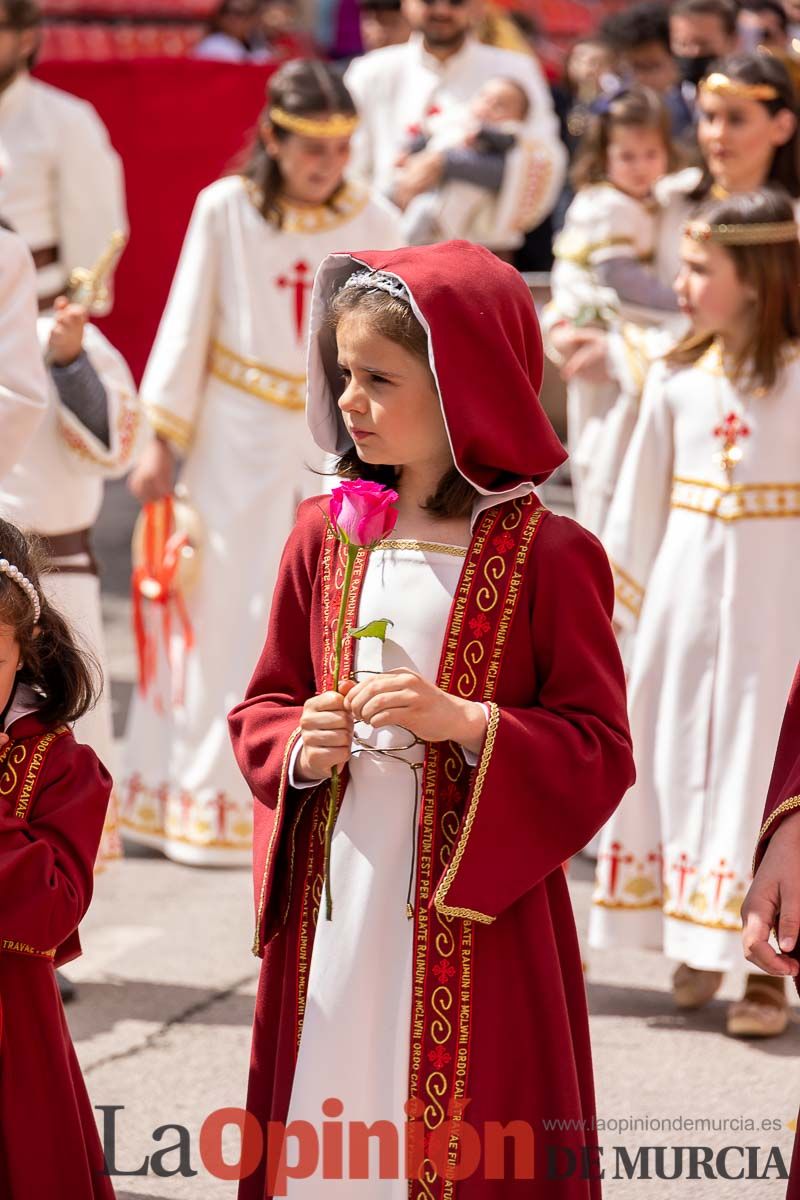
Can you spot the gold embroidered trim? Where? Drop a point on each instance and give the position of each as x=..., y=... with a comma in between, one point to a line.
x=293, y=736
x=346, y=205
x=736, y=502
x=169, y=425
x=413, y=544
x=785, y=806
x=582, y=256
x=629, y=593
x=649, y=905
x=636, y=357
x=329, y=125
x=257, y=379
x=440, y=895
x=9, y=946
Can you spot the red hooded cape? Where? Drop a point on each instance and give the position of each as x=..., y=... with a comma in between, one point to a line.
x=484, y=348
x=53, y=799
x=530, y=635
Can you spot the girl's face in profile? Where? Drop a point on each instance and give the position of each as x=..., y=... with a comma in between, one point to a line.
x=710, y=292
x=312, y=168
x=9, y=663
x=390, y=404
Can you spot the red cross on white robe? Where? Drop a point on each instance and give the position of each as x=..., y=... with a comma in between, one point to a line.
x=615, y=859
x=299, y=284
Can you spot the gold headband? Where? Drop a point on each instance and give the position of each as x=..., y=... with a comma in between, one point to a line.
x=334, y=125
x=722, y=85
x=764, y=233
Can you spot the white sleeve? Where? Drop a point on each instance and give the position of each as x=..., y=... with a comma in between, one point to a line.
x=294, y=782
x=91, y=189
x=640, y=508
x=362, y=162
x=24, y=386
x=174, y=382
x=84, y=450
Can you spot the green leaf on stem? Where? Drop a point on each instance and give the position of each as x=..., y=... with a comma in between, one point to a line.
x=374, y=629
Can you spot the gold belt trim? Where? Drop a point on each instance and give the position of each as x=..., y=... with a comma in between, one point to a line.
x=257, y=379
x=737, y=501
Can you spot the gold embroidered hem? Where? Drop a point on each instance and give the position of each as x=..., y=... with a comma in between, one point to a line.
x=170, y=426
x=10, y=946
x=629, y=593
x=167, y=814
x=630, y=906
x=736, y=502
x=257, y=379
x=440, y=895
x=733, y=925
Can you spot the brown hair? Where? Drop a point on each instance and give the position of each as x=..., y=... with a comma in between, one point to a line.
x=772, y=271
x=393, y=318
x=635, y=108
x=757, y=68
x=303, y=87
x=726, y=11
x=66, y=677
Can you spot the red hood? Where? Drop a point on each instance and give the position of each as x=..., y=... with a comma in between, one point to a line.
x=485, y=352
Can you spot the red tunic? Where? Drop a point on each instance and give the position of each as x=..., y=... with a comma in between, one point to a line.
x=53, y=799
x=529, y=631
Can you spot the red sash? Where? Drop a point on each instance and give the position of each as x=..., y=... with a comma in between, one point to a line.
x=21, y=764
x=472, y=655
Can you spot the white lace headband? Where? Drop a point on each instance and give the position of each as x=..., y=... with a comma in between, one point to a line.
x=22, y=581
x=380, y=280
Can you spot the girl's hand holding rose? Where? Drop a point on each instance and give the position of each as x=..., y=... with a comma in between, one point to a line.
x=326, y=731
x=404, y=698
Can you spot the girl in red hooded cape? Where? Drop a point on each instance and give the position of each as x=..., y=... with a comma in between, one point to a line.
x=482, y=743
x=773, y=901
x=53, y=799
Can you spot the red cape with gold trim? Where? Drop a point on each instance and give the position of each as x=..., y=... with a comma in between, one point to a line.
x=53, y=799
x=556, y=763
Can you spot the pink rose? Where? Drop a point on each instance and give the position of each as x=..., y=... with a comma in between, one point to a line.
x=362, y=511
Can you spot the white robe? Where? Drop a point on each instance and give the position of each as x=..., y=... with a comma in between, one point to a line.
x=23, y=379
x=62, y=182
x=357, y=1020
x=226, y=384
x=396, y=87
x=57, y=487
x=706, y=575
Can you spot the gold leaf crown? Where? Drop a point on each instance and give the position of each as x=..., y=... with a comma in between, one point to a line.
x=722, y=85
x=332, y=125
x=761, y=233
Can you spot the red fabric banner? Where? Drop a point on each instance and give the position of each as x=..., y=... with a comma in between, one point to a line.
x=178, y=125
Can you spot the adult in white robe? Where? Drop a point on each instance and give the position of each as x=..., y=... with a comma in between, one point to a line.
x=397, y=87
x=225, y=386
x=703, y=566
x=56, y=490
x=23, y=382
x=61, y=185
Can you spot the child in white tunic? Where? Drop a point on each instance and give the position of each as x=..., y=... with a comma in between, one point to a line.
x=225, y=389
x=89, y=434
x=697, y=533
x=602, y=270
